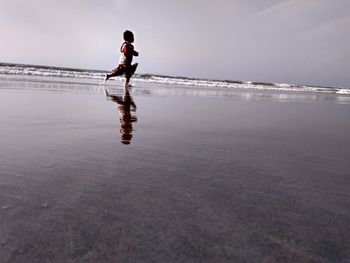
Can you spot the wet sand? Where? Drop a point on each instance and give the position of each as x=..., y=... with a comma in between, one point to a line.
x=205, y=175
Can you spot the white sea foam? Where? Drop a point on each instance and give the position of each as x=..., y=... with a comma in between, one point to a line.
x=343, y=91
x=18, y=69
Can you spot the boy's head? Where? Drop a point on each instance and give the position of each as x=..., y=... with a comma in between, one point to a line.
x=128, y=36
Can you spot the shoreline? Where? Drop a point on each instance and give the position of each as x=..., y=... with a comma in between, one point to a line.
x=47, y=71
x=62, y=83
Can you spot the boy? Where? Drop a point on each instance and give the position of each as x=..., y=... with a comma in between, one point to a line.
x=127, y=53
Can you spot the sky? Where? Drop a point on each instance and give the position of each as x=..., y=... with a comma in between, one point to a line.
x=285, y=41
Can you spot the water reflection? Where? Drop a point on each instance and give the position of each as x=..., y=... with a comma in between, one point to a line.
x=127, y=114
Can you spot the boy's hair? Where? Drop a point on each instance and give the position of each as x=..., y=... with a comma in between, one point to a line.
x=128, y=35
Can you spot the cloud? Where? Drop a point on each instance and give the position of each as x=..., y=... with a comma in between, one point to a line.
x=265, y=40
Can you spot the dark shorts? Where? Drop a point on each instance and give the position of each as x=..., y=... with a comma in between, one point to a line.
x=127, y=70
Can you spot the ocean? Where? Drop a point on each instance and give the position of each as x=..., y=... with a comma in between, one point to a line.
x=48, y=71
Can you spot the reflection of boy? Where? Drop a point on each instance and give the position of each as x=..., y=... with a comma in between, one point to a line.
x=127, y=109
x=127, y=119
x=127, y=53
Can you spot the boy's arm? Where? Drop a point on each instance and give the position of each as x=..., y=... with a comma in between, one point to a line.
x=129, y=51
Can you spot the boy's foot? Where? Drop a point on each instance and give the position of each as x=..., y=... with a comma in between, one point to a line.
x=104, y=81
x=105, y=92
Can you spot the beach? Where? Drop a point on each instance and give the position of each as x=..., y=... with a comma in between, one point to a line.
x=171, y=173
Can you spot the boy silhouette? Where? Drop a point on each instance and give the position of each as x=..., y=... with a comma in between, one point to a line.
x=127, y=54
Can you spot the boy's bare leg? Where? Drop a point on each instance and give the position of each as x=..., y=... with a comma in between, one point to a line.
x=129, y=74
x=115, y=72
x=127, y=82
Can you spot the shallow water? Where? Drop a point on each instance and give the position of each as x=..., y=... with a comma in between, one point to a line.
x=209, y=175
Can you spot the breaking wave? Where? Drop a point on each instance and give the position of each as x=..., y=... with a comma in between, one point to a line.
x=47, y=71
